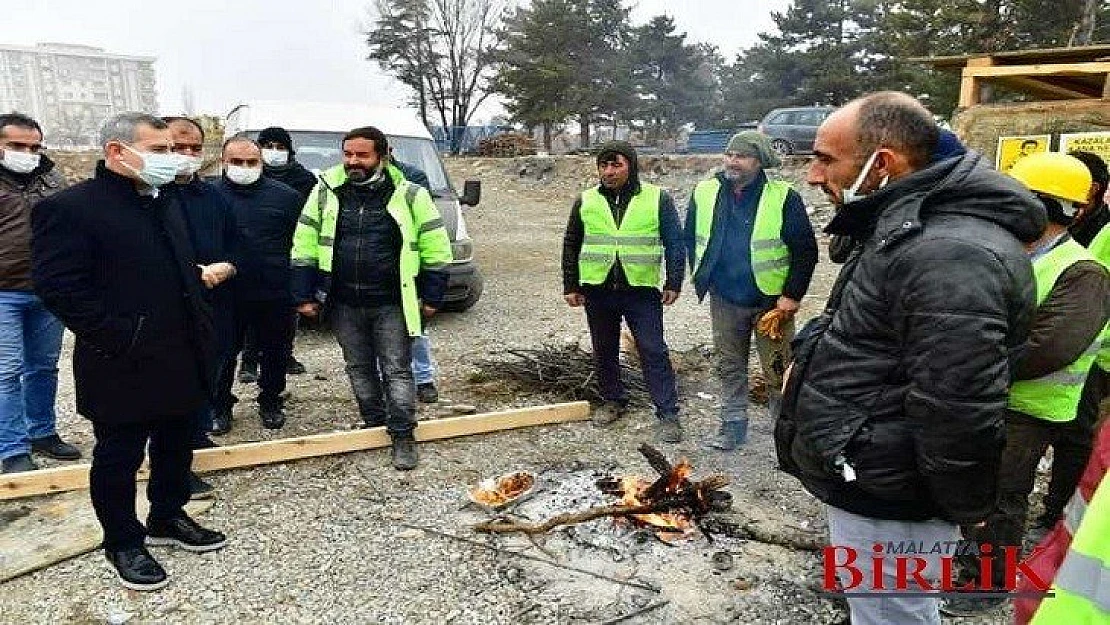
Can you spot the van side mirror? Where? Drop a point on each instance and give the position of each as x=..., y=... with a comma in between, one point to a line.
x=472, y=193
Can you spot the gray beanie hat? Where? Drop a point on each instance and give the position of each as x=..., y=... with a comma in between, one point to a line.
x=754, y=143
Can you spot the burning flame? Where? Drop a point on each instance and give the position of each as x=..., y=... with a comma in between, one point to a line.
x=633, y=493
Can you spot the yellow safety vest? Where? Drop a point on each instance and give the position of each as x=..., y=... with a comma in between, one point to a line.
x=1100, y=249
x=1082, y=585
x=635, y=242
x=770, y=258
x=424, y=240
x=1055, y=397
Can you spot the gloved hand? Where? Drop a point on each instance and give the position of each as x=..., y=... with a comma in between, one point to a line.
x=771, y=323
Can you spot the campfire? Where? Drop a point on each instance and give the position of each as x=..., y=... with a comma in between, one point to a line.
x=672, y=505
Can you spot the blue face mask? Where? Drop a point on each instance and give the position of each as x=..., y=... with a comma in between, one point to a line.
x=852, y=194
x=158, y=169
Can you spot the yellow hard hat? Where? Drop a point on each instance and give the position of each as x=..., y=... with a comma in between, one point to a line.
x=1054, y=174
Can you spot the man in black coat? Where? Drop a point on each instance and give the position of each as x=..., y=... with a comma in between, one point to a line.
x=214, y=236
x=266, y=212
x=279, y=163
x=893, y=410
x=112, y=259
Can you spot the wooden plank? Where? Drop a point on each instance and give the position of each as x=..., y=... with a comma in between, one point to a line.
x=60, y=528
x=1048, y=69
x=1044, y=89
x=970, y=89
x=73, y=477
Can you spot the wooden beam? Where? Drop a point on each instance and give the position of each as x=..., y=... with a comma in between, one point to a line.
x=74, y=477
x=970, y=89
x=1046, y=89
x=1048, y=69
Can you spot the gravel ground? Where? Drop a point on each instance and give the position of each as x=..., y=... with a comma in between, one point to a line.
x=331, y=540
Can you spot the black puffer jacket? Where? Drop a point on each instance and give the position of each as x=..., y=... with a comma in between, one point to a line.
x=906, y=381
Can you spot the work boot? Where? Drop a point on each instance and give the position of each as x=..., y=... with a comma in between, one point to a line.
x=668, y=429
x=137, y=569
x=273, y=417
x=607, y=413
x=199, y=489
x=427, y=393
x=18, y=464
x=403, y=452
x=221, y=421
x=248, y=372
x=294, y=366
x=54, y=447
x=731, y=436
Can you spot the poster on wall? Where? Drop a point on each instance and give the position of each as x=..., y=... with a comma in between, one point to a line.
x=1096, y=142
x=1013, y=149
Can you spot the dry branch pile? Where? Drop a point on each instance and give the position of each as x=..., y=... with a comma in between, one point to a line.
x=564, y=371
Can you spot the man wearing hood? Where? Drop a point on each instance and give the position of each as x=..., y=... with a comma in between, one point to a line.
x=752, y=249
x=373, y=247
x=30, y=336
x=618, y=235
x=893, y=410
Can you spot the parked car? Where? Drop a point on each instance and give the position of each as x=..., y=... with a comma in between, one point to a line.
x=793, y=130
x=317, y=130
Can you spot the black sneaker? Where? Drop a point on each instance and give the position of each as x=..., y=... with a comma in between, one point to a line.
x=403, y=453
x=199, y=489
x=18, y=464
x=54, y=447
x=295, y=367
x=221, y=421
x=427, y=393
x=137, y=569
x=273, y=417
x=184, y=533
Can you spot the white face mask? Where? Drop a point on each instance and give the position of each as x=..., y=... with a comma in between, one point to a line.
x=274, y=158
x=20, y=162
x=243, y=175
x=188, y=165
x=158, y=168
x=852, y=193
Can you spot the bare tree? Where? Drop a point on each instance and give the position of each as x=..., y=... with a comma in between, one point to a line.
x=442, y=50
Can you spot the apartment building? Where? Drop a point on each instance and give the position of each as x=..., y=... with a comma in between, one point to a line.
x=71, y=89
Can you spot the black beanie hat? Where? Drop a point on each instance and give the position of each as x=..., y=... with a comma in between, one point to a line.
x=275, y=134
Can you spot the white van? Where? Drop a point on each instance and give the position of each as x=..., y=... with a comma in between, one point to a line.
x=317, y=129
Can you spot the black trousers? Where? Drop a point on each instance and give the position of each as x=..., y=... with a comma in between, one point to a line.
x=1072, y=449
x=117, y=456
x=273, y=324
x=250, y=355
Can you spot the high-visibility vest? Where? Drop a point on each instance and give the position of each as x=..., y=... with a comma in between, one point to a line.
x=770, y=258
x=1100, y=249
x=1081, y=587
x=1055, y=397
x=424, y=240
x=1046, y=559
x=635, y=241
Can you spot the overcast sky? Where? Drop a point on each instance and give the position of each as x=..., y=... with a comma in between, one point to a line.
x=226, y=51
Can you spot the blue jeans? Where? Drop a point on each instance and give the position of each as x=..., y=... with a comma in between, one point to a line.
x=30, y=343
x=378, y=353
x=423, y=365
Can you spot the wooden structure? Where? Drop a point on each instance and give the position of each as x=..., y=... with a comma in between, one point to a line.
x=1052, y=74
x=75, y=477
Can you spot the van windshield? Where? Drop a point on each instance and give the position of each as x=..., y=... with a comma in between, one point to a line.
x=321, y=150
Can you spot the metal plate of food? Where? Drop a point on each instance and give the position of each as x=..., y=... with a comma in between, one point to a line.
x=497, y=493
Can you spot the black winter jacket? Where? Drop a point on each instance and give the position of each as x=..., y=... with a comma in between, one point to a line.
x=119, y=270
x=894, y=408
x=293, y=174
x=266, y=214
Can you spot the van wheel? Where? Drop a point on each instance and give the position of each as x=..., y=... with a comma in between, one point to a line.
x=782, y=147
x=471, y=299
